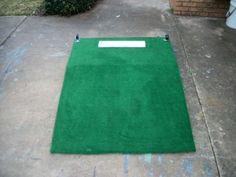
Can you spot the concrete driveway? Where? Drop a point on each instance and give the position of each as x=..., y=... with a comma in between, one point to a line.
x=33, y=55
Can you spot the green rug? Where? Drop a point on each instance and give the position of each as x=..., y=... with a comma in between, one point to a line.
x=122, y=100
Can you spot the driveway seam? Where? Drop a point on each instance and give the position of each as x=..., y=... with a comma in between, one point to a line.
x=197, y=93
x=10, y=34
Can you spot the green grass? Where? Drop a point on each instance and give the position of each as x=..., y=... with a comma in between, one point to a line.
x=19, y=7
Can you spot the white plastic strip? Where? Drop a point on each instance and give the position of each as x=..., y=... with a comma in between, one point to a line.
x=122, y=44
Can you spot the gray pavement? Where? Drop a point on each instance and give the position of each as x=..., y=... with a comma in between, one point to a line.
x=211, y=53
x=32, y=65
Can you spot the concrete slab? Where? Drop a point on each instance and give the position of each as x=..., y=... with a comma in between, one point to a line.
x=8, y=24
x=211, y=53
x=32, y=66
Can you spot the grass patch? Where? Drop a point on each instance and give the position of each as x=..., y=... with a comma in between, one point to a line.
x=19, y=7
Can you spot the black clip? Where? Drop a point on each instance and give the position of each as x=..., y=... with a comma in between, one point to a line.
x=167, y=38
x=77, y=38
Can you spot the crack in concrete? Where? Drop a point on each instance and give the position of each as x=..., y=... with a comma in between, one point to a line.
x=13, y=31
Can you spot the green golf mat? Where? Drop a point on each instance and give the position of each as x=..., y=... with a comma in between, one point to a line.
x=122, y=100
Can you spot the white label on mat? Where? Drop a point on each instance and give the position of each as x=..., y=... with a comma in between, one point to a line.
x=122, y=44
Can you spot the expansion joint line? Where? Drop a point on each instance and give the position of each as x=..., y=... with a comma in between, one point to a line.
x=12, y=32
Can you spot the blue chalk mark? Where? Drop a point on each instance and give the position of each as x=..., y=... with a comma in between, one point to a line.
x=94, y=172
x=207, y=168
x=159, y=158
x=160, y=176
x=14, y=57
x=148, y=158
x=150, y=172
x=126, y=163
x=188, y=167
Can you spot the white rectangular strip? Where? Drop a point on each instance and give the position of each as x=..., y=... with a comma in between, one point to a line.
x=122, y=44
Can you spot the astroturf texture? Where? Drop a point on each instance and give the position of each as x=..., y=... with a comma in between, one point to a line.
x=122, y=100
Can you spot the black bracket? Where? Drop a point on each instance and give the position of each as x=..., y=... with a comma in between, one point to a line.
x=167, y=37
x=77, y=38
